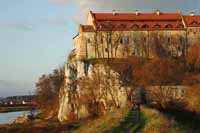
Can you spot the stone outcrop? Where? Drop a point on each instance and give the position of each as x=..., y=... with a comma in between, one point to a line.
x=89, y=85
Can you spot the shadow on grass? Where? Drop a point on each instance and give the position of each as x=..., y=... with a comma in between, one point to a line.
x=128, y=124
x=186, y=120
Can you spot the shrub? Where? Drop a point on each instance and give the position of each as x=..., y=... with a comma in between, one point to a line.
x=47, y=92
x=193, y=58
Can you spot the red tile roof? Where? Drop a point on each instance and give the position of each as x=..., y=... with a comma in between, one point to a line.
x=138, y=25
x=140, y=21
x=192, y=21
x=127, y=21
x=133, y=16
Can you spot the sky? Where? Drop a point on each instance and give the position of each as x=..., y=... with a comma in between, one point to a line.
x=36, y=35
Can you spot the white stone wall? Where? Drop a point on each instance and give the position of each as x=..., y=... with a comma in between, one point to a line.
x=90, y=45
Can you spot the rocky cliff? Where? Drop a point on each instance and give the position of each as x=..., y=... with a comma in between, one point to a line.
x=91, y=87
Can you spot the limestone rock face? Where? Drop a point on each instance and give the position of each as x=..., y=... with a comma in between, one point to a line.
x=90, y=84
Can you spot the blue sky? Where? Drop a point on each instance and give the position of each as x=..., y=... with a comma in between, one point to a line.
x=36, y=35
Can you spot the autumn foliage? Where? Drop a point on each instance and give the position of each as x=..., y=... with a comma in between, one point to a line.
x=47, y=92
x=193, y=58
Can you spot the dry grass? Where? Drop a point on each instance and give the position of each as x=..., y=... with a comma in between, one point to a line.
x=104, y=123
x=156, y=122
x=193, y=99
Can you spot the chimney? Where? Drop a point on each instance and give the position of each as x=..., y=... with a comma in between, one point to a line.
x=158, y=12
x=137, y=12
x=192, y=13
x=114, y=12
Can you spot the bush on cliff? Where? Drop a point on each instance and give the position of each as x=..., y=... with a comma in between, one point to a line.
x=47, y=92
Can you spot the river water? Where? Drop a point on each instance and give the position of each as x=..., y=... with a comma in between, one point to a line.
x=6, y=118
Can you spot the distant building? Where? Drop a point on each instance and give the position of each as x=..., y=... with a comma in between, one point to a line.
x=18, y=100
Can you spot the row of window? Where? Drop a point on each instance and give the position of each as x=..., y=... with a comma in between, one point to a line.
x=194, y=23
x=144, y=26
x=126, y=40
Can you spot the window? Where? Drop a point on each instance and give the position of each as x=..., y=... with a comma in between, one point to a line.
x=135, y=40
x=157, y=26
x=88, y=40
x=86, y=67
x=145, y=26
x=99, y=26
x=168, y=39
x=109, y=25
x=135, y=26
x=181, y=40
x=144, y=39
x=106, y=49
x=180, y=26
x=109, y=39
x=101, y=40
x=122, y=26
x=179, y=48
x=194, y=23
x=168, y=26
x=124, y=40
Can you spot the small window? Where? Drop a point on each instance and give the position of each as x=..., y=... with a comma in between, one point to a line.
x=109, y=39
x=168, y=39
x=124, y=40
x=101, y=40
x=144, y=39
x=121, y=41
x=134, y=40
x=122, y=26
x=88, y=41
x=135, y=26
x=99, y=26
x=106, y=49
x=181, y=40
x=168, y=26
x=194, y=23
x=145, y=26
x=86, y=67
x=180, y=26
x=110, y=26
x=179, y=48
x=157, y=26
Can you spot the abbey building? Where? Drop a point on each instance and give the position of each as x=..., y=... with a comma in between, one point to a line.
x=119, y=35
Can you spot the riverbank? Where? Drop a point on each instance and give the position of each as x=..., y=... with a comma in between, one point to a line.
x=39, y=125
x=14, y=109
x=120, y=120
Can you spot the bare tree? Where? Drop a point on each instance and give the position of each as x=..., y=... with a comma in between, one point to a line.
x=47, y=92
